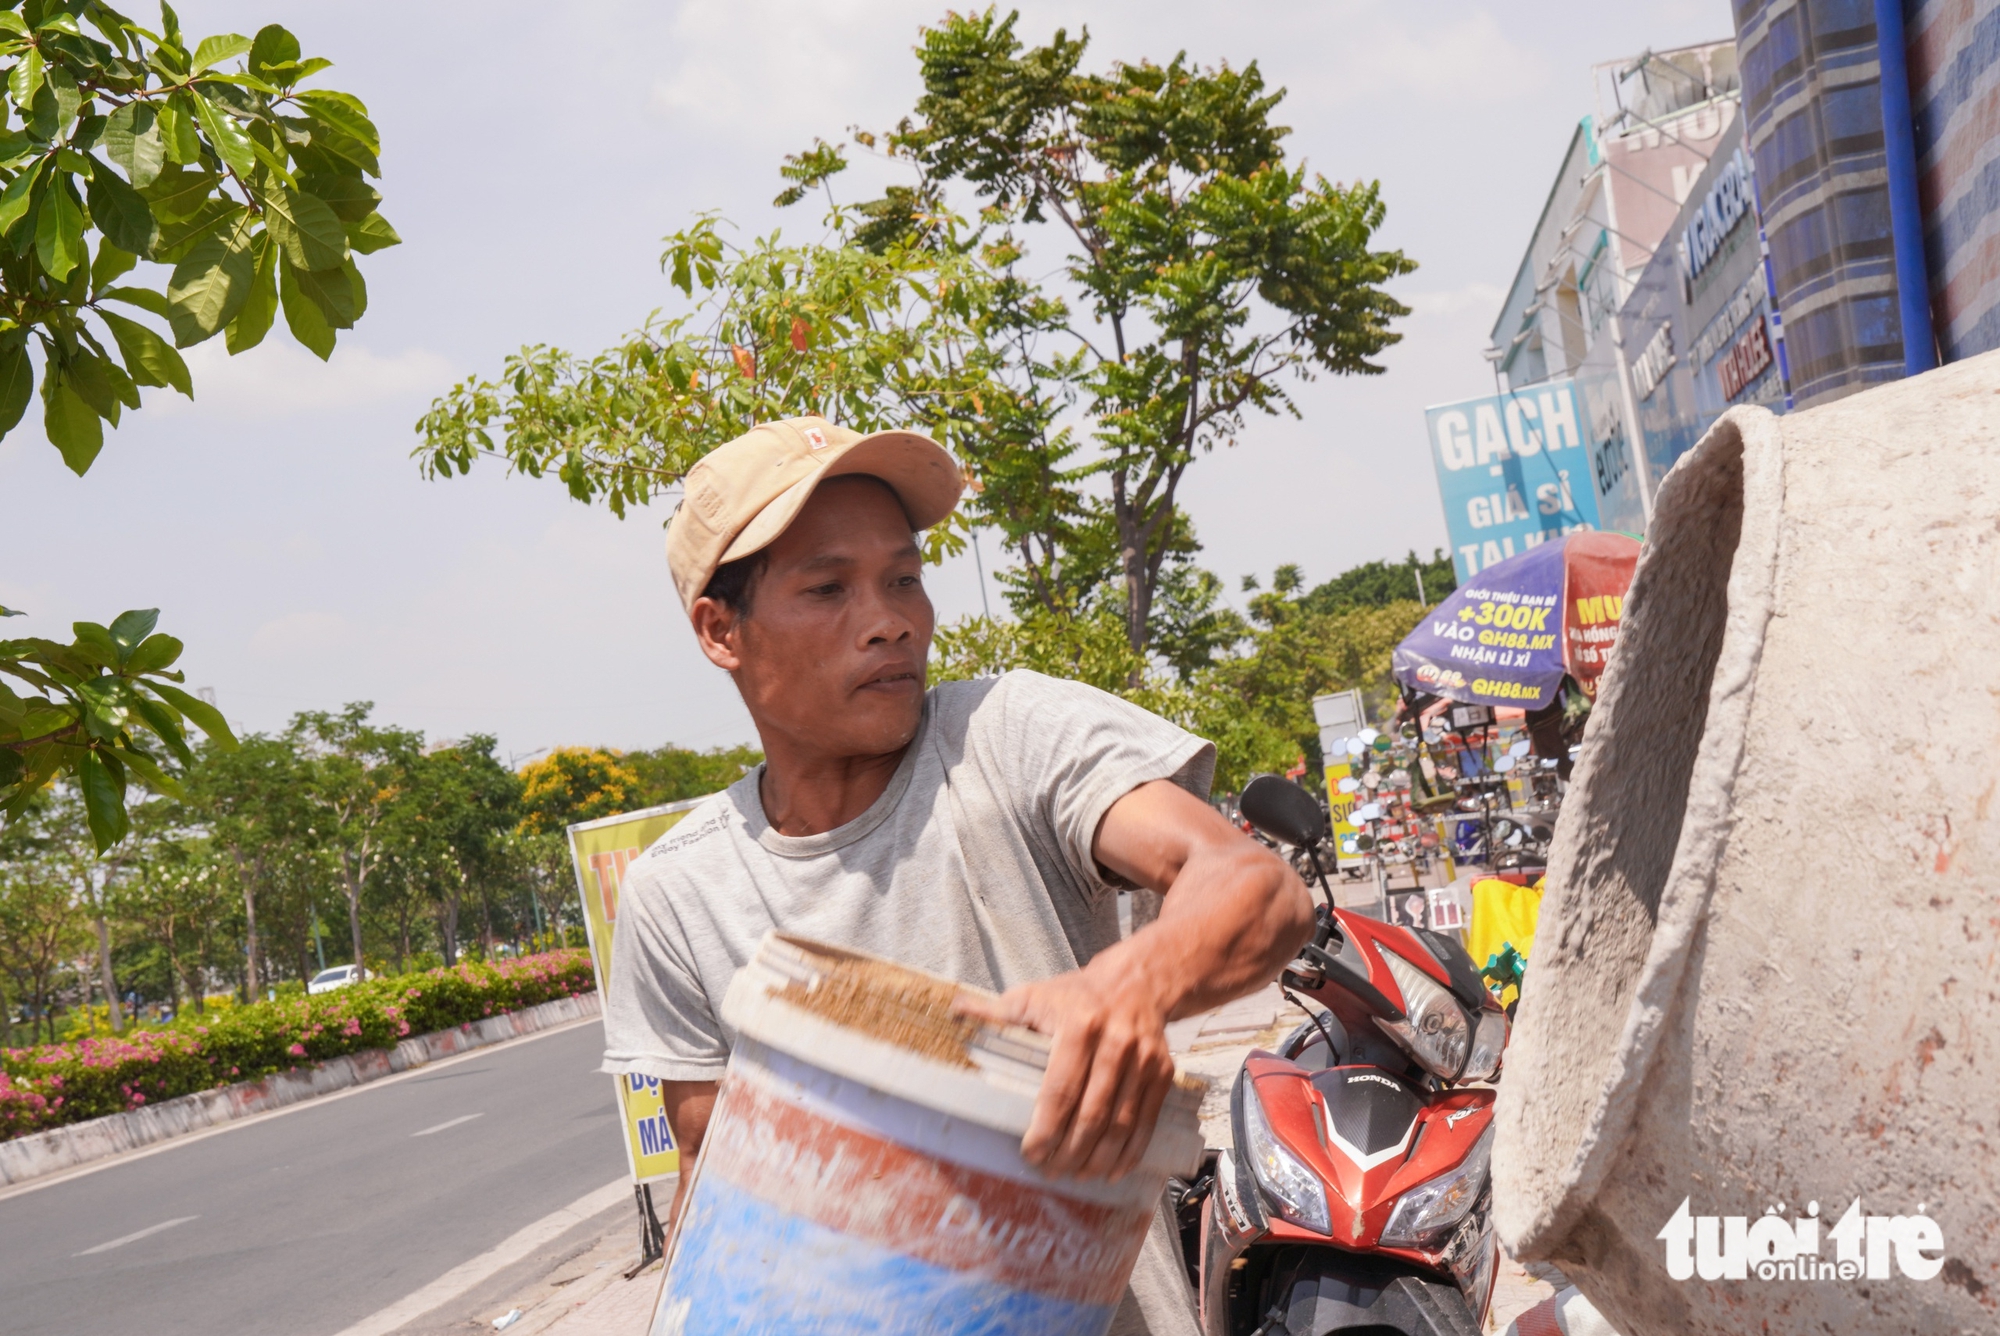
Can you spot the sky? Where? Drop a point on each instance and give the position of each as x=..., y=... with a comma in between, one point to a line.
x=533, y=157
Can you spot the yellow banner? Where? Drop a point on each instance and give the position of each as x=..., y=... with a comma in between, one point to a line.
x=1339, y=807
x=602, y=850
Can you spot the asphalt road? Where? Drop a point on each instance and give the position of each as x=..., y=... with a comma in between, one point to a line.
x=306, y=1223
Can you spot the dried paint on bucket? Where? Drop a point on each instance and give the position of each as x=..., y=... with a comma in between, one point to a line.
x=862, y=1172
x=887, y=1002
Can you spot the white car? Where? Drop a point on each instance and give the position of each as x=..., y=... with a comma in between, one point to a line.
x=338, y=977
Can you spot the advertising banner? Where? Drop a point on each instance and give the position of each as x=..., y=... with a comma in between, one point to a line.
x=1340, y=716
x=1512, y=472
x=1488, y=645
x=1340, y=808
x=602, y=850
x=1597, y=573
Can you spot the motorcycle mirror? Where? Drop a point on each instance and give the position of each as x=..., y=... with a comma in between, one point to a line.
x=1348, y=785
x=1372, y=780
x=1365, y=812
x=1368, y=735
x=1520, y=748
x=1355, y=746
x=1363, y=843
x=1283, y=810
x=1503, y=765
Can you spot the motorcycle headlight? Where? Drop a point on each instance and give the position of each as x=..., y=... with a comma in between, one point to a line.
x=1434, y=1028
x=1429, y=1211
x=1489, y=1040
x=1292, y=1189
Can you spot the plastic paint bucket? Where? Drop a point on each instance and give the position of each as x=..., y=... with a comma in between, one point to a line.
x=862, y=1173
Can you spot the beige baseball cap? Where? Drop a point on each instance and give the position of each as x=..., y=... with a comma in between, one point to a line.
x=744, y=493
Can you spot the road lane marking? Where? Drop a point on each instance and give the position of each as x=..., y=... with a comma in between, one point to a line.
x=449, y=1122
x=503, y=1254
x=134, y=1238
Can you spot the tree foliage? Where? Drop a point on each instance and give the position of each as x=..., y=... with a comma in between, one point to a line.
x=675, y=774
x=1202, y=275
x=104, y=709
x=1210, y=275
x=243, y=194
x=1246, y=683
x=869, y=339
x=124, y=145
x=1374, y=584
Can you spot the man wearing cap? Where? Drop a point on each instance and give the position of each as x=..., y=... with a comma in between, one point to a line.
x=980, y=830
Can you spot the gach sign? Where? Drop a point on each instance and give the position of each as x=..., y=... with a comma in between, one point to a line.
x=1512, y=472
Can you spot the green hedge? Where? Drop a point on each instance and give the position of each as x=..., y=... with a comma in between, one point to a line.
x=52, y=1084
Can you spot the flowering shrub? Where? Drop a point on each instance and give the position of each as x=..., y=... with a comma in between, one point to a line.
x=52, y=1084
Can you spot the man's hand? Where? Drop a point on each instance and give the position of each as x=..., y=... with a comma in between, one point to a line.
x=1234, y=914
x=1108, y=1072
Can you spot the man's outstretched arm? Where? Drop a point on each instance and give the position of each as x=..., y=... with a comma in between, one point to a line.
x=1234, y=914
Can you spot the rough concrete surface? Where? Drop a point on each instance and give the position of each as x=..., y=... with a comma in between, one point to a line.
x=1770, y=950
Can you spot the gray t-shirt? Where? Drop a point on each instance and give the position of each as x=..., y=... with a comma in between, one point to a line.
x=974, y=863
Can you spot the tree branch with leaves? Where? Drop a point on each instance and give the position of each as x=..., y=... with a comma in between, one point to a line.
x=120, y=146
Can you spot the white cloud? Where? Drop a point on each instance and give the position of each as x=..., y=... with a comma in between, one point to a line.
x=816, y=65
x=281, y=379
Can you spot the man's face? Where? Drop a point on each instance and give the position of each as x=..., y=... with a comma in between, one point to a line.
x=831, y=653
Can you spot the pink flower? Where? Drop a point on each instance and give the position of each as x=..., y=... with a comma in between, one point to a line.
x=297, y=1050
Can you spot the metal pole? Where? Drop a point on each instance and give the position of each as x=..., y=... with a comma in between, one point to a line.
x=980, y=566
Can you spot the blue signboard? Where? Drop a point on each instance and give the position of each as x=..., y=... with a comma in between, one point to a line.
x=1512, y=471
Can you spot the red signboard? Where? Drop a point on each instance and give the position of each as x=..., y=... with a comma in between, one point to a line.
x=1745, y=360
x=1597, y=572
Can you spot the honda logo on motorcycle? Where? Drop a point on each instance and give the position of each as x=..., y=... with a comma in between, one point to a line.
x=1772, y=1247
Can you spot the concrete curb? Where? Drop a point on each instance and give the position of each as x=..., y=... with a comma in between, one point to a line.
x=60, y=1148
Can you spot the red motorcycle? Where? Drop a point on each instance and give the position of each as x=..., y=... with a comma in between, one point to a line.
x=1355, y=1195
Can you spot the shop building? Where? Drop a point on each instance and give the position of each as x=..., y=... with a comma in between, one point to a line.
x=1954, y=76
x=1785, y=229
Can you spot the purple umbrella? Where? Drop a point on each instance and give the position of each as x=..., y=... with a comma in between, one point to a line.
x=1508, y=636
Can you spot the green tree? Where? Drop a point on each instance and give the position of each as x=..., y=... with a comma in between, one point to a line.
x=1210, y=275
x=1255, y=703
x=100, y=710
x=1245, y=683
x=41, y=924
x=358, y=770
x=867, y=339
x=244, y=194
x=252, y=192
x=674, y=774
x=1374, y=584
x=71, y=848
x=573, y=784
x=254, y=802
x=175, y=893
x=458, y=804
